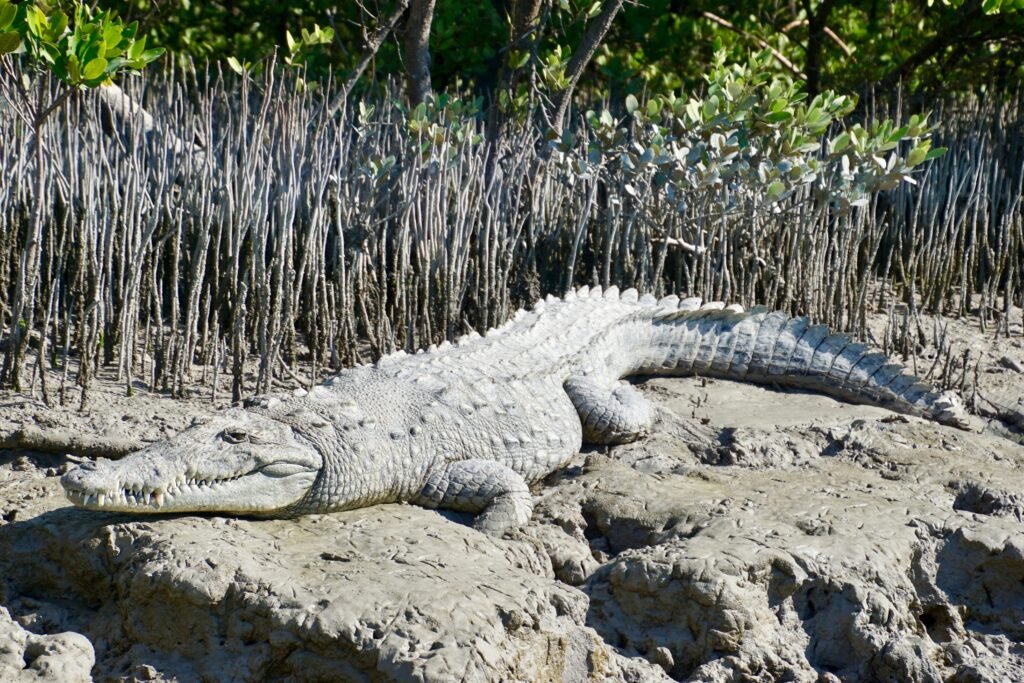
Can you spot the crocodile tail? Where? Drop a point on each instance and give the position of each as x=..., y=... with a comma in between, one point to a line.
x=773, y=347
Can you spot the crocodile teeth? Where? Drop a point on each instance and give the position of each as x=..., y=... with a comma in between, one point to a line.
x=101, y=500
x=158, y=498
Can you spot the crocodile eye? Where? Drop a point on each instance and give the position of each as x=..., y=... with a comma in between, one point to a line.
x=234, y=435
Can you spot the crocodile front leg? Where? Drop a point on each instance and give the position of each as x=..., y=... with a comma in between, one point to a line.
x=494, y=492
x=611, y=414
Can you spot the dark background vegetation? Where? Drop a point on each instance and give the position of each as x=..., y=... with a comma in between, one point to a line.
x=655, y=45
x=316, y=184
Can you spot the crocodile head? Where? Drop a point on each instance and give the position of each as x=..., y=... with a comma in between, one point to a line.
x=235, y=462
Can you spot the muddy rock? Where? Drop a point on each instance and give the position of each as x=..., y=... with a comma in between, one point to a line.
x=26, y=656
x=862, y=564
x=755, y=535
x=388, y=593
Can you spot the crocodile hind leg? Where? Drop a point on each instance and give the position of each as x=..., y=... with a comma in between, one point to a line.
x=494, y=492
x=610, y=414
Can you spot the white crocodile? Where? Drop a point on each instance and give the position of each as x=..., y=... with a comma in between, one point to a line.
x=471, y=426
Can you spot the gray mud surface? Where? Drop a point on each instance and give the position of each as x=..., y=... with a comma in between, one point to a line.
x=756, y=535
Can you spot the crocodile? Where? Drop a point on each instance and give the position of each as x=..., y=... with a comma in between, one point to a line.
x=471, y=426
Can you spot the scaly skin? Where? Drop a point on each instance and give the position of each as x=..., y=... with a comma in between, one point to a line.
x=471, y=426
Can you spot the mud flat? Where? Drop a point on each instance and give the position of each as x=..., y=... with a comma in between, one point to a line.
x=755, y=535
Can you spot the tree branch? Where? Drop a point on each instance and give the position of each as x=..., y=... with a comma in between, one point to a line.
x=524, y=33
x=584, y=53
x=779, y=57
x=42, y=114
x=959, y=31
x=417, y=49
x=833, y=36
x=815, y=42
x=372, y=47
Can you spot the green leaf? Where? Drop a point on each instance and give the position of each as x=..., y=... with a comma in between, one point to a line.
x=90, y=51
x=9, y=42
x=94, y=68
x=779, y=117
x=734, y=89
x=7, y=14
x=937, y=152
x=59, y=70
x=841, y=142
x=112, y=34
x=74, y=72
x=51, y=54
x=631, y=104
x=710, y=107
x=150, y=55
x=58, y=25
x=36, y=20
x=917, y=155
x=775, y=190
x=236, y=66
x=693, y=110
x=518, y=59
x=135, y=51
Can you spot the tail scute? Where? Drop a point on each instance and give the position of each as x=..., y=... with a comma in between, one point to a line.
x=746, y=332
x=786, y=344
x=765, y=346
x=765, y=341
x=690, y=304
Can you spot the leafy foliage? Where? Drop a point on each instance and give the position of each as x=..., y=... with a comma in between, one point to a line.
x=655, y=46
x=84, y=51
x=81, y=52
x=442, y=119
x=755, y=134
x=299, y=49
